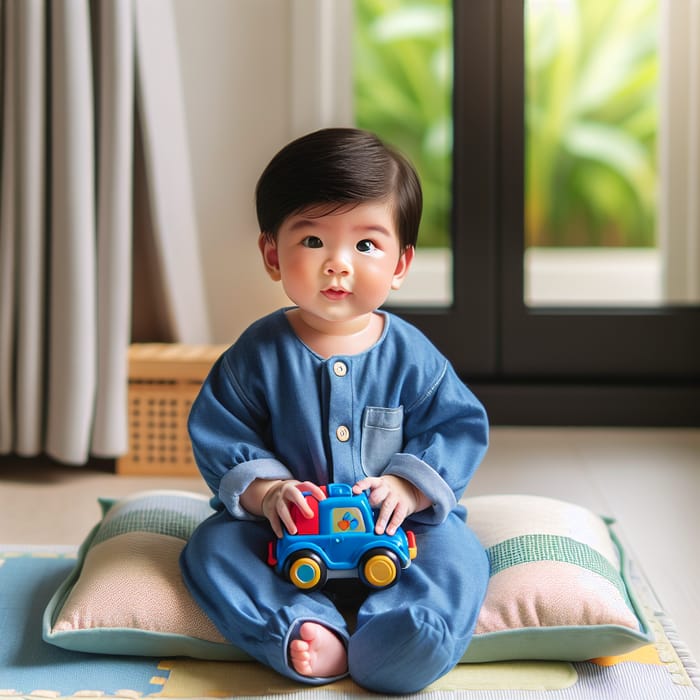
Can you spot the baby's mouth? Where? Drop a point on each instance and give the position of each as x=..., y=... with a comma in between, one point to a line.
x=335, y=294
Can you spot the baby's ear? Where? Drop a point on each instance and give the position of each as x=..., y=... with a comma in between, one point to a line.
x=268, y=249
x=402, y=266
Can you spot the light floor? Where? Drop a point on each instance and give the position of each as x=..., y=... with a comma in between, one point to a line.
x=649, y=480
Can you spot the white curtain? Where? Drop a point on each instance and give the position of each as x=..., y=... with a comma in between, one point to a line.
x=75, y=75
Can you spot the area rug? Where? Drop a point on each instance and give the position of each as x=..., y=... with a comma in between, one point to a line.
x=31, y=668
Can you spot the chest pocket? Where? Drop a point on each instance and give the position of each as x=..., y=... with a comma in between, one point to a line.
x=382, y=437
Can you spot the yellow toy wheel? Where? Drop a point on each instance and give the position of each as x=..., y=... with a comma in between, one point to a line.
x=380, y=568
x=307, y=571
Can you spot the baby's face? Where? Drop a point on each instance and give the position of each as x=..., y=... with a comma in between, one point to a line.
x=339, y=267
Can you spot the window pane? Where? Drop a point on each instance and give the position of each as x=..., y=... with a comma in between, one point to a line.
x=402, y=88
x=592, y=122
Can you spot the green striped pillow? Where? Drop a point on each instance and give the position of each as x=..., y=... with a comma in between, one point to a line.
x=559, y=585
x=126, y=594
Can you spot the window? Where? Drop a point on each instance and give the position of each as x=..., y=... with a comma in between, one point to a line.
x=402, y=91
x=538, y=360
x=609, y=104
x=569, y=363
x=347, y=520
x=591, y=168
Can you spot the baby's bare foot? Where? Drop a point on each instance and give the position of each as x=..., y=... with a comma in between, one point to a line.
x=318, y=652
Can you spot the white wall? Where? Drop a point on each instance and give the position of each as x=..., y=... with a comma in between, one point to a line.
x=235, y=58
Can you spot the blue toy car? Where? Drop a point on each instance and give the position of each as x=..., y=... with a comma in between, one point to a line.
x=340, y=542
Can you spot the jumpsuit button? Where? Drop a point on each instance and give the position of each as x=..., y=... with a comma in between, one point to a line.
x=340, y=369
x=342, y=433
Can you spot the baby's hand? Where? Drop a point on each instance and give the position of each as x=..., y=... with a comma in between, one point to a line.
x=397, y=497
x=279, y=498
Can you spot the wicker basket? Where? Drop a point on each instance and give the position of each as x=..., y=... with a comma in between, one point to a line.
x=163, y=381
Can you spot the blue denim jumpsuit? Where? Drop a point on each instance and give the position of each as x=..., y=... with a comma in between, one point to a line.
x=272, y=408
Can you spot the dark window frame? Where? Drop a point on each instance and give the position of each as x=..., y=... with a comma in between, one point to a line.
x=612, y=366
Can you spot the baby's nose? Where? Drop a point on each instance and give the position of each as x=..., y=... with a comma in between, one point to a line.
x=338, y=265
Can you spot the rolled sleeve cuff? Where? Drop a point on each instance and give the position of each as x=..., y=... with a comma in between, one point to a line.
x=427, y=480
x=236, y=481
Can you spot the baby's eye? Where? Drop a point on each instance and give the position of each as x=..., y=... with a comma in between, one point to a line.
x=312, y=242
x=365, y=246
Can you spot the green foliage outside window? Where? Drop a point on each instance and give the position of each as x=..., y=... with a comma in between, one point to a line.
x=592, y=117
x=591, y=112
x=403, y=92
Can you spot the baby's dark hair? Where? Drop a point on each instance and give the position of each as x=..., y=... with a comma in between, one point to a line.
x=337, y=167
